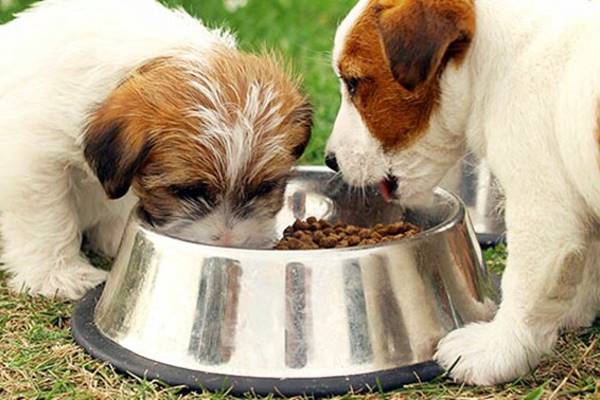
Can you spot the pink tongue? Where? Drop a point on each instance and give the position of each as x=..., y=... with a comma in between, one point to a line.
x=384, y=189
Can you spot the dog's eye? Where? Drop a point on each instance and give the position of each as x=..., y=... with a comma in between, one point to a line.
x=192, y=192
x=352, y=85
x=265, y=188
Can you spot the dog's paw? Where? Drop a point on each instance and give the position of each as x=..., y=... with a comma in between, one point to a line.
x=578, y=319
x=483, y=354
x=66, y=282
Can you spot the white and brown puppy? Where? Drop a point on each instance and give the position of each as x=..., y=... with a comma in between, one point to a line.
x=104, y=103
x=518, y=83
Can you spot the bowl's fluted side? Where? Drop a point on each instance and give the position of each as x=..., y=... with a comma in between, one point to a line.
x=294, y=314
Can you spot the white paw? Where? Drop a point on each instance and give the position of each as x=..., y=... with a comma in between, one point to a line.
x=579, y=319
x=484, y=354
x=68, y=282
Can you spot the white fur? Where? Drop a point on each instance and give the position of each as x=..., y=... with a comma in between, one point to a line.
x=59, y=61
x=526, y=99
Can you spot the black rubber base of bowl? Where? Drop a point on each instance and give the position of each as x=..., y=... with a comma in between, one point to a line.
x=89, y=337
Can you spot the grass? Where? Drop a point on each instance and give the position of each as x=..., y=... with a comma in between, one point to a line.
x=38, y=358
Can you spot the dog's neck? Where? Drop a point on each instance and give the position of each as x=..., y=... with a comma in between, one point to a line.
x=507, y=30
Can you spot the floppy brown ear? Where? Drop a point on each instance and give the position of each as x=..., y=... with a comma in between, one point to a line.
x=420, y=36
x=114, y=154
x=302, y=117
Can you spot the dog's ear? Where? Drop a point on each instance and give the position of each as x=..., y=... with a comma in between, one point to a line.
x=420, y=36
x=302, y=117
x=114, y=153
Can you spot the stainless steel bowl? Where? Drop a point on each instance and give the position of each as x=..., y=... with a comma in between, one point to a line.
x=315, y=322
x=473, y=182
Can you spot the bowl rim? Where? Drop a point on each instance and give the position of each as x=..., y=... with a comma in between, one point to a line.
x=456, y=215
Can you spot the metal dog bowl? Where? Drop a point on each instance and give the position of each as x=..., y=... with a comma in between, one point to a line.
x=473, y=182
x=320, y=322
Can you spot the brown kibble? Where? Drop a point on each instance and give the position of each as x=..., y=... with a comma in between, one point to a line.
x=328, y=231
x=317, y=226
x=309, y=241
x=294, y=244
x=376, y=236
x=301, y=225
x=314, y=234
x=311, y=246
x=364, y=233
x=354, y=240
x=298, y=234
x=327, y=243
x=324, y=224
x=352, y=230
x=382, y=231
x=335, y=237
x=320, y=235
x=398, y=227
x=391, y=230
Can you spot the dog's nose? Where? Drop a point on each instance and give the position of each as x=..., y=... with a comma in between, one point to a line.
x=331, y=162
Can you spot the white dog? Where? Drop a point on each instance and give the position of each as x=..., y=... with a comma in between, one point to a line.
x=518, y=83
x=100, y=96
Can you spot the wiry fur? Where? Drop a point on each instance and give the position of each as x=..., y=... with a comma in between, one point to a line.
x=97, y=96
x=525, y=97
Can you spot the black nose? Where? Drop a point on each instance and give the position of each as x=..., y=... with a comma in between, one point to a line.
x=331, y=162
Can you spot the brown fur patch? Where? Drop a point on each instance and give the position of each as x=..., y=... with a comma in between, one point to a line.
x=158, y=136
x=396, y=51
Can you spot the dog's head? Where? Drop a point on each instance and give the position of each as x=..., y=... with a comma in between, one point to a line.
x=391, y=56
x=206, y=143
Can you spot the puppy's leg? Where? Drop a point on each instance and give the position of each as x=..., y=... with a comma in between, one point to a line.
x=105, y=236
x=42, y=240
x=544, y=271
x=586, y=305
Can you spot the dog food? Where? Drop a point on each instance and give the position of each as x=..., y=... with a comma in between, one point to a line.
x=314, y=234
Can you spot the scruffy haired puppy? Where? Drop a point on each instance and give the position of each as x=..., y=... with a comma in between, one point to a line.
x=517, y=82
x=104, y=103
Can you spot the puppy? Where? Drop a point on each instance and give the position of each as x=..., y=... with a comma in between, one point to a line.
x=518, y=83
x=105, y=103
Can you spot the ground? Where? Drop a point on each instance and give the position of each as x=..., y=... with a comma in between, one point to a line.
x=38, y=358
